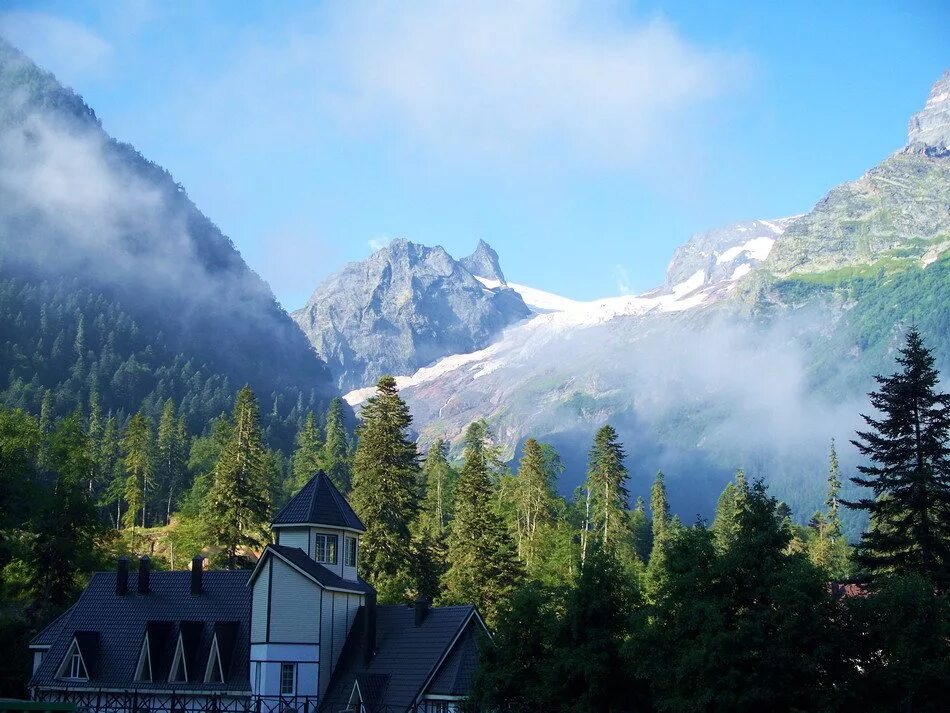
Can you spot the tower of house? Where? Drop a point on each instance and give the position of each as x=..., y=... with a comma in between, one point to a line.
x=306, y=593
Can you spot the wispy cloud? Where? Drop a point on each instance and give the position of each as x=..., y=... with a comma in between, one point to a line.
x=72, y=50
x=622, y=276
x=481, y=79
x=377, y=243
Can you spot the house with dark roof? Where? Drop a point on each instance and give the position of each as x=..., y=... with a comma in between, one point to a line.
x=302, y=631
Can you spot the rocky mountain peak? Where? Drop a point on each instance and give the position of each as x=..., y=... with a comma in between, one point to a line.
x=929, y=129
x=484, y=263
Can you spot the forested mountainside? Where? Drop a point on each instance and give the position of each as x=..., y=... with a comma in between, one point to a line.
x=113, y=283
x=757, y=350
x=406, y=306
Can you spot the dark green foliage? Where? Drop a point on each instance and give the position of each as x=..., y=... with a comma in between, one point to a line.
x=336, y=448
x=909, y=446
x=385, y=496
x=67, y=524
x=898, y=645
x=741, y=630
x=238, y=500
x=606, y=496
x=438, y=483
x=135, y=359
x=307, y=458
x=483, y=563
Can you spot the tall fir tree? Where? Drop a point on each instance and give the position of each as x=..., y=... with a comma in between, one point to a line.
x=170, y=457
x=308, y=456
x=832, y=499
x=606, y=492
x=483, y=565
x=909, y=474
x=385, y=495
x=661, y=526
x=534, y=497
x=726, y=521
x=336, y=460
x=139, y=469
x=94, y=431
x=238, y=502
x=67, y=524
x=438, y=480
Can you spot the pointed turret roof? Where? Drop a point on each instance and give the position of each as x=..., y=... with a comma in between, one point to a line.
x=319, y=503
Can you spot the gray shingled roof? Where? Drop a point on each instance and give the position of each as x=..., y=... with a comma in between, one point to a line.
x=121, y=621
x=319, y=503
x=407, y=653
x=455, y=674
x=298, y=558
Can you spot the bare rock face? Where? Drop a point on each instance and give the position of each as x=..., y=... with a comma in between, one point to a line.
x=929, y=129
x=484, y=263
x=404, y=307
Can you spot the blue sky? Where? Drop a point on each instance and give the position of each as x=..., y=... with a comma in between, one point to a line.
x=583, y=140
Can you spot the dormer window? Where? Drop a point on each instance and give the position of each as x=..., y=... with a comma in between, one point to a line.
x=179, y=670
x=143, y=672
x=214, y=674
x=324, y=548
x=73, y=666
x=349, y=551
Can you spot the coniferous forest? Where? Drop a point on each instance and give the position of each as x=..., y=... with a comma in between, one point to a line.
x=602, y=601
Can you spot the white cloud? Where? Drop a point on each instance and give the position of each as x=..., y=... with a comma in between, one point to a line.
x=622, y=276
x=494, y=79
x=377, y=243
x=69, y=49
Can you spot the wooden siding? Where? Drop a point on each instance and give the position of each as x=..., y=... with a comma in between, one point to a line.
x=295, y=537
x=259, y=606
x=294, y=607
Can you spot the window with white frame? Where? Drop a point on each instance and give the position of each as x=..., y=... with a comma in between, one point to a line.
x=349, y=551
x=73, y=667
x=324, y=549
x=288, y=679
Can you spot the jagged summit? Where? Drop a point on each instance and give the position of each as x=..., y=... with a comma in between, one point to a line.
x=929, y=129
x=403, y=307
x=484, y=263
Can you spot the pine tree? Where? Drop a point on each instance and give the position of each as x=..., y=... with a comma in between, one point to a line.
x=438, y=479
x=385, y=496
x=170, y=457
x=909, y=446
x=47, y=417
x=725, y=524
x=94, y=431
x=238, y=504
x=834, y=490
x=534, y=496
x=308, y=457
x=112, y=468
x=660, y=511
x=483, y=564
x=64, y=546
x=336, y=448
x=606, y=492
x=139, y=469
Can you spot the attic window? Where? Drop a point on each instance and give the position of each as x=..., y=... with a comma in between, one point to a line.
x=143, y=672
x=73, y=667
x=179, y=669
x=324, y=548
x=213, y=673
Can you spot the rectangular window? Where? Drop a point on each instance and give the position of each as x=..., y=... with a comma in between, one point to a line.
x=349, y=551
x=76, y=669
x=288, y=679
x=324, y=549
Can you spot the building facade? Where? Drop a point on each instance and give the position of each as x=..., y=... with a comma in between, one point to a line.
x=300, y=632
